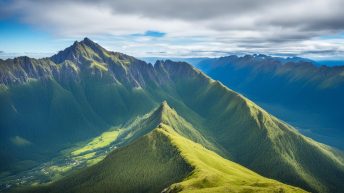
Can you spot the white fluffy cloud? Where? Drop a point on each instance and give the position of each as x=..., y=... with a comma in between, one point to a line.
x=193, y=27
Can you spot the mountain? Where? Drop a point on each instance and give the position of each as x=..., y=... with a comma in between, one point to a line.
x=162, y=161
x=164, y=115
x=297, y=90
x=192, y=61
x=331, y=62
x=51, y=104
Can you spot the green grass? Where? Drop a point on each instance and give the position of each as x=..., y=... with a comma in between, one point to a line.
x=84, y=153
x=98, y=66
x=213, y=173
x=59, y=169
x=92, y=161
x=85, y=156
x=104, y=140
x=148, y=165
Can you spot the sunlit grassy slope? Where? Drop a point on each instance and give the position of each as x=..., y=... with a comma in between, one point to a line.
x=164, y=160
x=101, y=141
x=212, y=173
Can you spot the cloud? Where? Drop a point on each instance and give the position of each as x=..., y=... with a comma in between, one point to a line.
x=108, y=16
x=6, y=55
x=289, y=26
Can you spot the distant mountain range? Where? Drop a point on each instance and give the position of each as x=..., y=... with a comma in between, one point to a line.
x=86, y=98
x=330, y=62
x=297, y=90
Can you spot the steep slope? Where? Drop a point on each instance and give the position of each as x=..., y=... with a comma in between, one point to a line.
x=296, y=90
x=53, y=105
x=158, y=159
x=44, y=114
x=254, y=138
x=147, y=165
x=212, y=173
x=166, y=115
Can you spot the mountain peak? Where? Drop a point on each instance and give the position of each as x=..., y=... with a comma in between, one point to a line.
x=164, y=106
x=79, y=51
x=165, y=113
x=89, y=42
x=85, y=42
x=86, y=39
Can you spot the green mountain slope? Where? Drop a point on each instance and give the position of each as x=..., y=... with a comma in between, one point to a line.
x=212, y=173
x=166, y=115
x=296, y=90
x=51, y=104
x=256, y=139
x=147, y=165
x=158, y=159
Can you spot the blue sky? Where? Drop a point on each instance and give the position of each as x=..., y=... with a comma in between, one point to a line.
x=203, y=28
x=20, y=38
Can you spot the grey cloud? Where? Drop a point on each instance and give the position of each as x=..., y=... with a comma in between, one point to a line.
x=260, y=25
x=284, y=54
x=269, y=38
x=252, y=45
x=292, y=37
x=222, y=53
x=329, y=51
x=331, y=24
x=263, y=13
x=181, y=9
x=7, y=55
x=159, y=52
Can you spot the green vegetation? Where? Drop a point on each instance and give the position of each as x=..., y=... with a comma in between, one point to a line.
x=59, y=169
x=160, y=158
x=98, y=66
x=104, y=140
x=166, y=115
x=298, y=91
x=256, y=139
x=212, y=173
x=87, y=154
x=148, y=165
x=69, y=103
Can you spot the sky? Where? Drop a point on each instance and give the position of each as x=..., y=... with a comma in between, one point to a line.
x=175, y=28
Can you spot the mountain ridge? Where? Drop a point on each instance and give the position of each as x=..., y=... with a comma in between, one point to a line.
x=171, y=154
x=300, y=92
x=94, y=100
